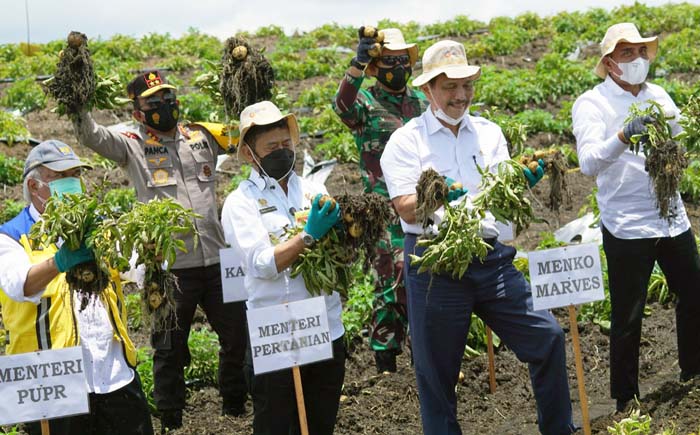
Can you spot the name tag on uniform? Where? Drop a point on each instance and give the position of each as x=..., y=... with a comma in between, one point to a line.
x=269, y=209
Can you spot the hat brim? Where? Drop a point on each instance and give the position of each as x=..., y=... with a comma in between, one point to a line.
x=458, y=71
x=59, y=166
x=153, y=90
x=652, y=44
x=291, y=124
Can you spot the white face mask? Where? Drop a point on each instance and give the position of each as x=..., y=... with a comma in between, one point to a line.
x=634, y=72
x=442, y=116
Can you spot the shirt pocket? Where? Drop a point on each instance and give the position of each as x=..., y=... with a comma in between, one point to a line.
x=274, y=222
x=160, y=171
x=204, y=163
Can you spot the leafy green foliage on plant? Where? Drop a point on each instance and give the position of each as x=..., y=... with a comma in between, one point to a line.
x=357, y=309
x=10, y=208
x=11, y=170
x=13, y=129
x=24, y=95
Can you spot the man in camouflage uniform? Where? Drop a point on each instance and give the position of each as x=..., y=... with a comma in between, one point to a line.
x=373, y=114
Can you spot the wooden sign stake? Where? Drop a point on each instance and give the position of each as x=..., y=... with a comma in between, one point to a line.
x=45, y=427
x=492, y=360
x=579, y=371
x=301, y=407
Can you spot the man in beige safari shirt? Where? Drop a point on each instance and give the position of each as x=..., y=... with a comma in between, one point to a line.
x=165, y=159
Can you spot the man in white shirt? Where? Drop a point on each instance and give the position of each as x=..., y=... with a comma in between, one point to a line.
x=254, y=218
x=451, y=141
x=41, y=313
x=634, y=235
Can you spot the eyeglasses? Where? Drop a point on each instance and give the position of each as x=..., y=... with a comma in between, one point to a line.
x=157, y=100
x=402, y=59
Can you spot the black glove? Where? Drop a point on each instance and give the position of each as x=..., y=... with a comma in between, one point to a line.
x=637, y=126
x=362, y=58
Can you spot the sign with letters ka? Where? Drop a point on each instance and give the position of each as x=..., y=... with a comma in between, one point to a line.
x=232, y=275
x=566, y=276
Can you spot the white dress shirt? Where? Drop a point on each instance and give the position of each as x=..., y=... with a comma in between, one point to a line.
x=626, y=196
x=106, y=369
x=425, y=143
x=257, y=211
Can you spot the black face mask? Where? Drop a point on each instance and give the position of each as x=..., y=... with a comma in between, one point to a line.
x=394, y=78
x=163, y=117
x=278, y=164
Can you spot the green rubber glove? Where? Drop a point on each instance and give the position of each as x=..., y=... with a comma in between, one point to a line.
x=321, y=219
x=454, y=192
x=533, y=179
x=66, y=259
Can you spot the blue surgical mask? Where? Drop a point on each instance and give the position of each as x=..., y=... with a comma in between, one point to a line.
x=65, y=185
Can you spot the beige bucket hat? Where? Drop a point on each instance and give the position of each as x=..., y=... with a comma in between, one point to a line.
x=623, y=32
x=448, y=57
x=265, y=113
x=394, y=40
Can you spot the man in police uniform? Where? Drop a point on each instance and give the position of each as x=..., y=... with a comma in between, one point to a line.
x=165, y=159
x=41, y=313
x=373, y=114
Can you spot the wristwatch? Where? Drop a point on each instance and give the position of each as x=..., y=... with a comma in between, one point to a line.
x=307, y=238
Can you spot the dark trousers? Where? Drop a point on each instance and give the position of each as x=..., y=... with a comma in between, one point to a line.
x=121, y=412
x=439, y=313
x=274, y=399
x=200, y=286
x=630, y=263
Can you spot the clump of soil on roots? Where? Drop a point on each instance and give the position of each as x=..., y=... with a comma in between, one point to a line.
x=666, y=164
x=366, y=217
x=246, y=77
x=431, y=192
x=73, y=84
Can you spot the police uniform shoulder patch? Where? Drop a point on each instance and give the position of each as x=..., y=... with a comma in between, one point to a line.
x=130, y=135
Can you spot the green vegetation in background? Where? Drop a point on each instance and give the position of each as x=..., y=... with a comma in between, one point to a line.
x=11, y=170
x=13, y=129
x=242, y=175
x=9, y=208
x=357, y=310
x=24, y=95
x=203, y=368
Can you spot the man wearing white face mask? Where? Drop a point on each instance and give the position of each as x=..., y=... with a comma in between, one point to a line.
x=634, y=235
x=454, y=143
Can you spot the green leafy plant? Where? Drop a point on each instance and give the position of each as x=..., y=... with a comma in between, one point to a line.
x=204, y=351
x=24, y=95
x=357, y=309
x=11, y=170
x=9, y=208
x=133, y=311
x=13, y=129
x=242, y=175
x=635, y=424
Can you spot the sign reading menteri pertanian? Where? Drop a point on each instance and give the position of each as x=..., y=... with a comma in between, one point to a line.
x=565, y=276
x=288, y=335
x=42, y=385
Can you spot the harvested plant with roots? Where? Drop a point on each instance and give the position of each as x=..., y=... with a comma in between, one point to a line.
x=555, y=169
x=246, y=76
x=74, y=218
x=76, y=87
x=459, y=240
x=665, y=160
x=327, y=266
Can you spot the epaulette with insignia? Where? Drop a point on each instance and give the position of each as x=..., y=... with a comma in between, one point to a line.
x=130, y=135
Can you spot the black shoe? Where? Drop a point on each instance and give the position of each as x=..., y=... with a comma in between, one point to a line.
x=170, y=419
x=385, y=360
x=623, y=405
x=233, y=408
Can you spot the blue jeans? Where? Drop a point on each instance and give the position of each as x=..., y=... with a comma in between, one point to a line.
x=439, y=314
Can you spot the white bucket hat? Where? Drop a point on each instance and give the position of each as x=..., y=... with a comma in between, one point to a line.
x=394, y=40
x=446, y=57
x=265, y=113
x=623, y=32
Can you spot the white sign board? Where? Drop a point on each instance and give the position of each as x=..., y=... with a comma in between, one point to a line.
x=42, y=385
x=566, y=276
x=232, y=275
x=288, y=335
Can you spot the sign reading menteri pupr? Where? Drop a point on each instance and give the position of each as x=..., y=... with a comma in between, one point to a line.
x=42, y=385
